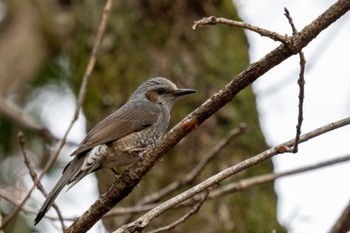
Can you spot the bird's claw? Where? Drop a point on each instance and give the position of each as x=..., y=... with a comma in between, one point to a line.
x=142, y=154
x=117, y=175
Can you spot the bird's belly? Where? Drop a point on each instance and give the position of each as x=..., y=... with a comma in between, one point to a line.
x=117, y=159
x=125, y=151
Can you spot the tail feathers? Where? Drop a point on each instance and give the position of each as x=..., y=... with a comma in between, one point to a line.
x=68, y=175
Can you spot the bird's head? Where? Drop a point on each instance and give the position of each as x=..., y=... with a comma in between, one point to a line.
x=160, y=90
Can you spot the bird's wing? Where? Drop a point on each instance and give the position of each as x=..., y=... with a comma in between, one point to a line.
x=122, y=122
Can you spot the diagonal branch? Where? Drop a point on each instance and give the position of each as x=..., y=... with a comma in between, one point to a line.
x=257, y=180
x=34, y=176
x=132, y=176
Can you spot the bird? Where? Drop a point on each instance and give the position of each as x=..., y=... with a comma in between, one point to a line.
x=121, y=138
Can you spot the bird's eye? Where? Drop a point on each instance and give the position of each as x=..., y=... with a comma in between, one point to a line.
x=160, y=91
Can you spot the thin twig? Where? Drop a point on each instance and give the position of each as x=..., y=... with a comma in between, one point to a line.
x=80, y=101
x=301, y=83
x=144, y=220
x=27, y=210
x=212, y=20
x=34, y=176
x=194, y=210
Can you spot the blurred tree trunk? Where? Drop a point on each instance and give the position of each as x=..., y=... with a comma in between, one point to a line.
x=147, y=39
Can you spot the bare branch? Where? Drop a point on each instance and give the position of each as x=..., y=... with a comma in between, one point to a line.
x=249, y=182
x=27, y=210
x=34, y=176
x=194, y=210
x=144, y=220
x=131, y=177
x=212, y=20
x=301, y=83
x=25, y=121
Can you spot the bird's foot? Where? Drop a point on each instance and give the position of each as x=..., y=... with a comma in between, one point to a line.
x=117, y=175
x=142, y=154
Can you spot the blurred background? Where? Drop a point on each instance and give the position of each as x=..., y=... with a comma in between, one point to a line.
x=44, y=50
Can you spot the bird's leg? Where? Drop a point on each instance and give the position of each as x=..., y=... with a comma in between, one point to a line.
x=117, y=175
x=138, y=152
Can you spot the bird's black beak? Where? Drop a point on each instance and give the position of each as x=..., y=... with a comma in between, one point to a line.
x=183, y=91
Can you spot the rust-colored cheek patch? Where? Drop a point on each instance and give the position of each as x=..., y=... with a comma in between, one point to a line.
x=152, y=96
x=190, y=125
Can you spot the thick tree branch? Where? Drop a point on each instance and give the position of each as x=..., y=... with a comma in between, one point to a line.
x=132, y=176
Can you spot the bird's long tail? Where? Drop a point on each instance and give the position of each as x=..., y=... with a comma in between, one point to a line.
x=68, y=176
